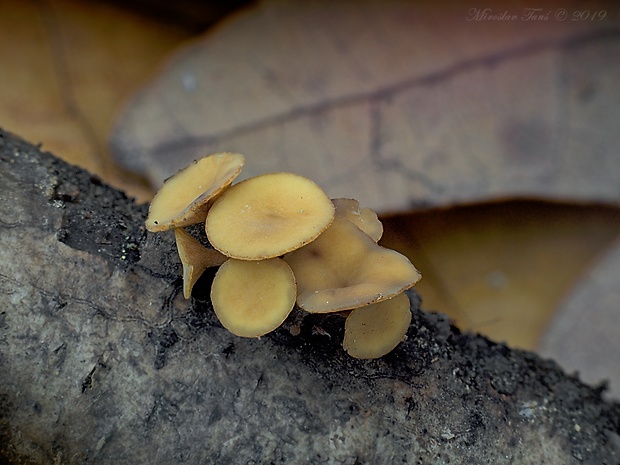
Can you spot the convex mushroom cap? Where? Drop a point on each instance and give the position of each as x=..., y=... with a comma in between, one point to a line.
x=375, y=330
x=267, y=216
x=344, y=269
x=252, y=298
x=364, y=218
x=185, y=198
x=195, y=259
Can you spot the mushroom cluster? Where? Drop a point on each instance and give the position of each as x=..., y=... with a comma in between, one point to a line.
x=279, y=240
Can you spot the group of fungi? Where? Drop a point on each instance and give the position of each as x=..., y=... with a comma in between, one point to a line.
x=279, y=240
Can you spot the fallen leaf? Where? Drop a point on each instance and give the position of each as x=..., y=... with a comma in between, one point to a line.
x=76, y=61
x=395, y=104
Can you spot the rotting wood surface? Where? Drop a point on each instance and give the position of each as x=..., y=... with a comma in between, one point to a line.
x=103, y=361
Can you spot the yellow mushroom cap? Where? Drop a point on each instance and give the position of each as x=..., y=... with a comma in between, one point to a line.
x=185, y=198
x=267, y=216
x=252, y=298
x=195, y=259
x=364, y=218
x=375, y=330
x=344, y=268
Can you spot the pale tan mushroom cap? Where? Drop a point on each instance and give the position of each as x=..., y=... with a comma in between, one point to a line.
x=252, y=298
x=195, y=259
x=344, y=268
x=364, y=218
x=267, y=216
x=185, y=198
x=375, y=330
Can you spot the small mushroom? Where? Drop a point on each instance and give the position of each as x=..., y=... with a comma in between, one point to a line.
x=267, y=216
x=375, y=330
x=344, y=269
x=195, y=259
x=185, y=198
x=252, y=298
x=364, y=218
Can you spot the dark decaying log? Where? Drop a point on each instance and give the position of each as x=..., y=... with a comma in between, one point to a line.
x=102, y=361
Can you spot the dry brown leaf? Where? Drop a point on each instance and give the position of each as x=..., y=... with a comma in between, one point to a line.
x=66, y=66
x=393, y=103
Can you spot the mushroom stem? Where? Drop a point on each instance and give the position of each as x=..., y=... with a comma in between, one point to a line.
x=195, y=259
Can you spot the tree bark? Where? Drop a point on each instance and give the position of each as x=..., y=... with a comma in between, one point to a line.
x=103, y=361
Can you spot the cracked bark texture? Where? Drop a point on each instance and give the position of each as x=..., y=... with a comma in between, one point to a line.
x=103, y=361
